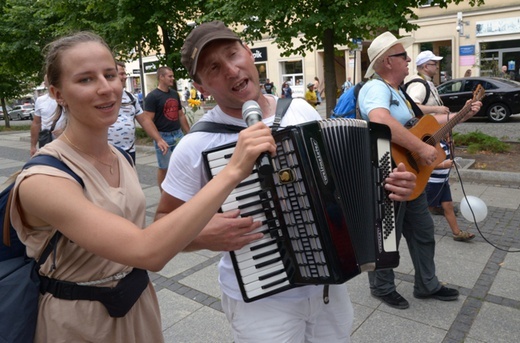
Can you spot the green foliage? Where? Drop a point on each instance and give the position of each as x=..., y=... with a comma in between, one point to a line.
x=15, y=128
x=478, y=141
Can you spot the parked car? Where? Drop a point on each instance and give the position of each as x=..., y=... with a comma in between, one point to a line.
x=502, y=96
x=9, y=109
x=21, y=112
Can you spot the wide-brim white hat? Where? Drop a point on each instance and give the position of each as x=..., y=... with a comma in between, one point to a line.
x=382, y=44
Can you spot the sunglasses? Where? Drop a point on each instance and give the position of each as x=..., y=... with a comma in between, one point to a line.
x=404, y=55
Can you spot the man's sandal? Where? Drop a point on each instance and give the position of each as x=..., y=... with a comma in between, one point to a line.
x=463, y=236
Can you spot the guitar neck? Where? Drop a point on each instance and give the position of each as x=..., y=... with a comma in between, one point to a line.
x=478, y=94
x=446, y=128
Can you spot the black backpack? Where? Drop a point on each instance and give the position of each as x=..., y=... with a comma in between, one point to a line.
x=425, y=84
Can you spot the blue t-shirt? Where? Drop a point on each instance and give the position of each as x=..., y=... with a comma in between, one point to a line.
x=377, y=94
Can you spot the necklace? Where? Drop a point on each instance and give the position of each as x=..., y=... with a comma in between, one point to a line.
x=78, y=149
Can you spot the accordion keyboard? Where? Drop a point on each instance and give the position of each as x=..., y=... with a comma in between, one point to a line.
x=259, y=263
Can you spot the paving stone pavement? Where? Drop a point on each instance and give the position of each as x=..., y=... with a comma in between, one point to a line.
x=485, y=270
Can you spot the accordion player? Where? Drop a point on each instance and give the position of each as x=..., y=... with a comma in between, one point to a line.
x=324, y=211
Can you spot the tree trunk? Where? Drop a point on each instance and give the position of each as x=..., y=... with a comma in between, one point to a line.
x=4, y=109
x=330, y=74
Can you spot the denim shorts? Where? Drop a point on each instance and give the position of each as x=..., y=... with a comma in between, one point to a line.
x=172, y=138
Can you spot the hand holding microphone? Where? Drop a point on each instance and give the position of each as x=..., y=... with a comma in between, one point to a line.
x=252, y=114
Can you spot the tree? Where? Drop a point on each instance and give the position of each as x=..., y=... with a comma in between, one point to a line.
x=319, y=24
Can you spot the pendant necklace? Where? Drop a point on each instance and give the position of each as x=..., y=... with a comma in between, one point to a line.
x=78, y=149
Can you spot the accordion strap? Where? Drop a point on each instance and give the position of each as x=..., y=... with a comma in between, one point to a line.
x=206, y=126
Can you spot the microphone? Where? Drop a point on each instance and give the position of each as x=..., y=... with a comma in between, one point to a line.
x=252, y=114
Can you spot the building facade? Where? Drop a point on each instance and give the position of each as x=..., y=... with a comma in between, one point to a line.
x=481, y=39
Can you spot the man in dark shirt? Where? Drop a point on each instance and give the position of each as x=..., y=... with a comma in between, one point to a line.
x=269, y=87
x=163, y=106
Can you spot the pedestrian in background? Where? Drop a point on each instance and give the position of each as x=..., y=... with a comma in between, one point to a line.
x=163, y=107
x=122, y=132
x=310, y=95
x=317, y=89
x=46, y=118
x=438, y=193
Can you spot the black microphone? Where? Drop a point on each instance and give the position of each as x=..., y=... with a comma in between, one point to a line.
x=252, y=114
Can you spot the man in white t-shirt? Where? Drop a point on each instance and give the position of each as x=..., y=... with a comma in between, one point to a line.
x=223, y=67
x=44, y=116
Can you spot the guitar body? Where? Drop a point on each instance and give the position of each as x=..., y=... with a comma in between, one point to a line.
x=425, y=129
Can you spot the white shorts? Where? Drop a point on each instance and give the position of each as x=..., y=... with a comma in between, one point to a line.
x=296, y=321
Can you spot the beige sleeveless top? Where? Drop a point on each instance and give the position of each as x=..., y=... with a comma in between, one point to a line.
x=79, y=320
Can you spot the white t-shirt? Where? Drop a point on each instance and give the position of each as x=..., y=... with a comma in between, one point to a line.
x=45, y=107
x=417, y=91
x=186, y=177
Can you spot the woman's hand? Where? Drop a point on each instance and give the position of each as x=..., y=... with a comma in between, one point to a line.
x=252, y=141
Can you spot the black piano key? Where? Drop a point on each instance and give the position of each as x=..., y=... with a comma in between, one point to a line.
x=270, y=275
x=269, y=262
x=263, y=245
x=272, y=284
x=267, y=253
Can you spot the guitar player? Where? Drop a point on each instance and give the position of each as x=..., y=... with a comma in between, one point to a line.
x=387, y=70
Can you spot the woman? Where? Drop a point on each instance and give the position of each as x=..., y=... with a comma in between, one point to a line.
x=101, y=224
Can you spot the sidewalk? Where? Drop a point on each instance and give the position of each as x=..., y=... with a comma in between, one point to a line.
x=488, y=309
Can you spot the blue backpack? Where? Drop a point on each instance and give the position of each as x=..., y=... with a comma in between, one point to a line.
x=347, y=103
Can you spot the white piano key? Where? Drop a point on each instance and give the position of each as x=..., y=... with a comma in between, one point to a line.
x=249, y=255
x=252, y=293
x=255, y=262
x=252, y=275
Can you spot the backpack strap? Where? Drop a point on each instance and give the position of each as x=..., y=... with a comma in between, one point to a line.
x=205, y=126
x=131, y=96
x=282, y=105
x=424, y=83
x=48, y=161
x=416, y=110
x=126, y=155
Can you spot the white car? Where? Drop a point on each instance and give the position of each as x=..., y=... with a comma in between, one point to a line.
x=22, y=112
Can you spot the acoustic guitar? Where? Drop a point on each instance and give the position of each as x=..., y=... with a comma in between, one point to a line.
x=431, y=132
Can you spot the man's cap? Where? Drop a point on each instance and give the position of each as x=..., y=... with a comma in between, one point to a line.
x=382, y=44
x=426, y=56
x=310, y=85
x=198, y=38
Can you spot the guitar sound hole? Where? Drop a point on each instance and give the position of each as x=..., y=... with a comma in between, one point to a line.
x=412, y=162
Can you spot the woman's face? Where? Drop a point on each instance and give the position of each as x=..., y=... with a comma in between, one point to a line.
x=90, y=88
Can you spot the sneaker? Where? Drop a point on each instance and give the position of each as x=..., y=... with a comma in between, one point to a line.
x=444, y=294
x=394, y=300
x=463, y=236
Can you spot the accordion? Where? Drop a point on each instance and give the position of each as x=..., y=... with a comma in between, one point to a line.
x=325, y=214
